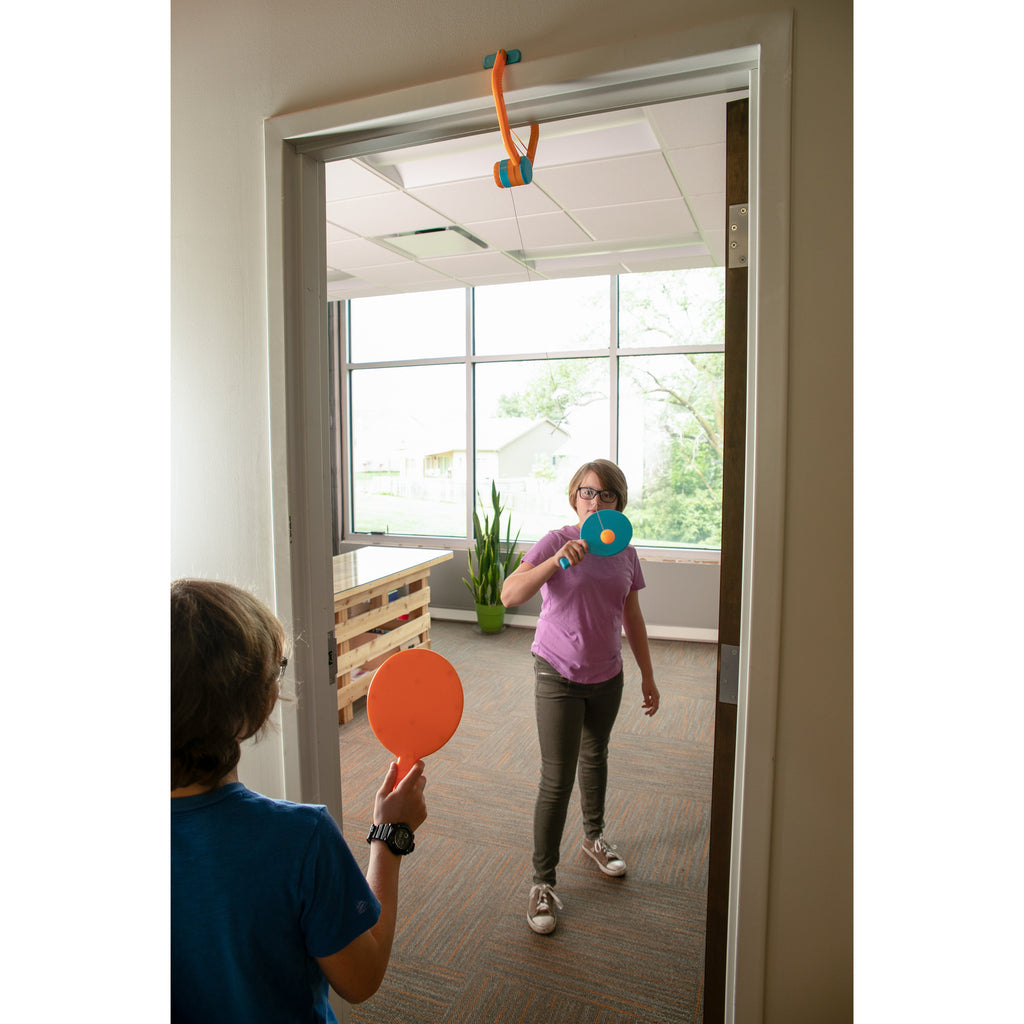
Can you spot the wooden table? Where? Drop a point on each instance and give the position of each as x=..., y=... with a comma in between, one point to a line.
x=363, y=579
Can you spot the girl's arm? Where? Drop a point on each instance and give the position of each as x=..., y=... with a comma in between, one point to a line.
x=636, y=633
x=527, y=580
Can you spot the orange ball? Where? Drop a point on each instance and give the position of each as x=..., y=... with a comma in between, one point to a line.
x=607, y=536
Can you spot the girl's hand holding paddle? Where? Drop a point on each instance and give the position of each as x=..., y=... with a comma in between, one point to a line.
x=570, y=552
x=403, y=802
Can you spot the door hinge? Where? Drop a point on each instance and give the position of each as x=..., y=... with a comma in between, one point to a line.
x=332, y=657
x=738, y=221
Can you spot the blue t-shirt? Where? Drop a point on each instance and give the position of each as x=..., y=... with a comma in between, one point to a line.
x=259, y=887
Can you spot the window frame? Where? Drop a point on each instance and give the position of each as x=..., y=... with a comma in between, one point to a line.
x=342, y=469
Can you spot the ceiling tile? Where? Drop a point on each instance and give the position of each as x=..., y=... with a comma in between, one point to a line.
x=348, y=179
x=579, y=266
x=666, y=259
x=351, y=255
x=530, y=232
x=398, y=275
x=665, y=219
x=574, y=140
x=716, y=243
x=383, y=214
x=336, y=234
x=517, y=275
x=609, y=182
x=356, y=288
x=691, y=122
x=440, y=162
x=474, y=264
x=709, y=211
x=580, y=142
x=701, y=169
x=481, y=199
x=675, y=263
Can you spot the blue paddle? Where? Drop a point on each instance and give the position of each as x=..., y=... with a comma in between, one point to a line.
x=606, y=533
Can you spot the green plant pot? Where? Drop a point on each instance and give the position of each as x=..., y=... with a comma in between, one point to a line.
x=490, y=617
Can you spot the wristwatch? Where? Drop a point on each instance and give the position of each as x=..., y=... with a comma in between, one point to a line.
x=397, y=835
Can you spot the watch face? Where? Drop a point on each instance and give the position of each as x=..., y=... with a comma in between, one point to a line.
x=401, y=837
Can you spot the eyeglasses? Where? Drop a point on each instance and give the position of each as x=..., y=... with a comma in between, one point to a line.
x=284, y=665
x=588, y=493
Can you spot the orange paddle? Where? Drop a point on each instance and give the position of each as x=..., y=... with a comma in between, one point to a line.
x=414, y=705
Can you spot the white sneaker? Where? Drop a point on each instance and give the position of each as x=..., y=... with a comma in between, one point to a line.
x=541, y=915
x=605, y=855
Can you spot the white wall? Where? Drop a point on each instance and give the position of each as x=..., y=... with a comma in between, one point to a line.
x=680, y=602
x=236, y=62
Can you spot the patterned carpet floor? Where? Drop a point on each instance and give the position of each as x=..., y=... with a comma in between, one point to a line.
x=626, y=950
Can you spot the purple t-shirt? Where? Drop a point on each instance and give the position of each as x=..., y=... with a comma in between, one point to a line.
x=580, y=627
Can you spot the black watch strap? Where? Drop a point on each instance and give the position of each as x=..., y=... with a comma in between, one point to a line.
x=397, y=835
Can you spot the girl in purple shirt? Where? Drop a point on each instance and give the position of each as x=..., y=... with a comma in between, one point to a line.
x=577, y=654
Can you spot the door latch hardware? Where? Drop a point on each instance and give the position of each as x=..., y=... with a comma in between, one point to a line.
x=728, y=673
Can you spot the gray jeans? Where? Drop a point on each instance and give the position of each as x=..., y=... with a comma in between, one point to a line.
x=574, y=722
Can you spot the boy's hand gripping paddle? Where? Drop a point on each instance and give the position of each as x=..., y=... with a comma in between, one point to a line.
x=414, y=705
x=606, y=533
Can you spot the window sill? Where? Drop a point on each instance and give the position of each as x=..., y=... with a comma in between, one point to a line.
x=665, y=556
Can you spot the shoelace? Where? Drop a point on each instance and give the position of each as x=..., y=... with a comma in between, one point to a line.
x=542, y=899
x=603, y=846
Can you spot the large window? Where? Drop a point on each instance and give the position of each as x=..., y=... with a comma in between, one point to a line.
x=519, y=384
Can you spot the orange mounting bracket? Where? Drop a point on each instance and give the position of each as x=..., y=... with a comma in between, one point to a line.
x=518, y=168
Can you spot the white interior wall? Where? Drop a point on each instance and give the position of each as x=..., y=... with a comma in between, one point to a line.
x=239, y=61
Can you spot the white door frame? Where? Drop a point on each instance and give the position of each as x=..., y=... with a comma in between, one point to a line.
x=752, y=53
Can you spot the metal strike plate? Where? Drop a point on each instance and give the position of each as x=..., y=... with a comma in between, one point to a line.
x=728, y=674
x=737, y=236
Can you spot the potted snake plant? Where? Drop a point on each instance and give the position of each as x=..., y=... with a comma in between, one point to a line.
x=495, y=560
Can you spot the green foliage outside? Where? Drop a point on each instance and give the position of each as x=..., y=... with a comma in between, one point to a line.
x=560, y=385
x=679, y=396
x=680, y=501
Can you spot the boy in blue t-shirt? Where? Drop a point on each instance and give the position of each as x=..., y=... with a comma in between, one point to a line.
x=268, y=905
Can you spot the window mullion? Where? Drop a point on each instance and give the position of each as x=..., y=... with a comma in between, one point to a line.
x=470, y=414
x=613, y=368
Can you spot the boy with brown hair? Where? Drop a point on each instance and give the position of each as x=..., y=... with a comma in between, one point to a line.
x=268, y=905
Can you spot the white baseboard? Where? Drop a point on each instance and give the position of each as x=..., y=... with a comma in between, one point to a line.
x=692, y=634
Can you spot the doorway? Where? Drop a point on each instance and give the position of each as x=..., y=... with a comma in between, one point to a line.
x=751, y=53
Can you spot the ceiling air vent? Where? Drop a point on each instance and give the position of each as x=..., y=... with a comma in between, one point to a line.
x=432, y=242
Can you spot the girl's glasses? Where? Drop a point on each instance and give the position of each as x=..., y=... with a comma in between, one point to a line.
x=588, y=493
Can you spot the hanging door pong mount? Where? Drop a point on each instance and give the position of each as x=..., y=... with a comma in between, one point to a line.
x=518, y=168
x=606, y=533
